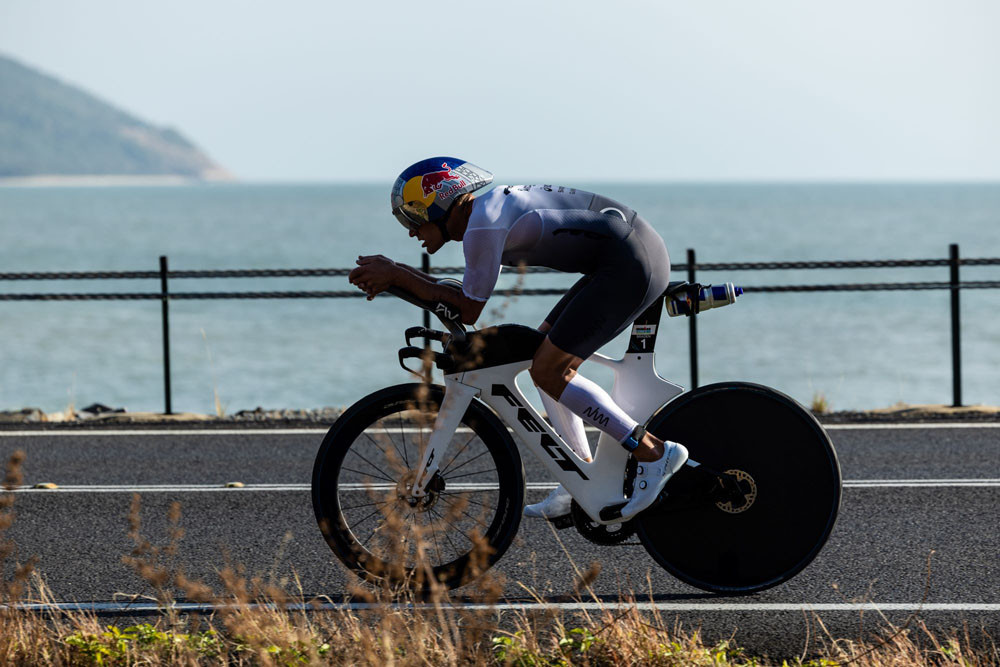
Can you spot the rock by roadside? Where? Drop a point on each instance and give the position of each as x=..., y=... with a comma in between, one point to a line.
x=259, y=417
x=914, y=413
x=116, y=417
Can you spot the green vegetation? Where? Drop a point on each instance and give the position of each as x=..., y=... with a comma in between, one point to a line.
x=819, y=405
x=255, y=624
x=51, y=128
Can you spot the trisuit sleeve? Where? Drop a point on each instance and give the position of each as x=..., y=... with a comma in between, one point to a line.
x=482, y=248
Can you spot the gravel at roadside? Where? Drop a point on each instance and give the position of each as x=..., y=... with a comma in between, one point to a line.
x=103, y=417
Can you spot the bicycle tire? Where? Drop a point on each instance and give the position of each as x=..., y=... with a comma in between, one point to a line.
x=795, y=473
x=428, y=543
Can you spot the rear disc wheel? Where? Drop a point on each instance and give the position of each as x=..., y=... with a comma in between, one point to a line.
x=789, y=478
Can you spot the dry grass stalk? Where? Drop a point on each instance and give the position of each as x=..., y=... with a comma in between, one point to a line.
x=256, y=624
x=409, y=617
x=12, y=588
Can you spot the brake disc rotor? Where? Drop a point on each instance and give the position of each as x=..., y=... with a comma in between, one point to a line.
x=749, y=489
x=404, y=491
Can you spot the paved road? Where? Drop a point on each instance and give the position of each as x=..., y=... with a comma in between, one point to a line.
x=878, y=550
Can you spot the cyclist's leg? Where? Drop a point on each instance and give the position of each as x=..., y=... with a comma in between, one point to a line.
x=554, y=371
x=568, y=425
x=595, y=311
x=560, y=306
x=658, y=460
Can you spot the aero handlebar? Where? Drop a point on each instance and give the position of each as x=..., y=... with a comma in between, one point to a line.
x=449, y=315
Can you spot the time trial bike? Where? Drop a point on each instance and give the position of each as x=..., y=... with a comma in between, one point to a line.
x=419, y=482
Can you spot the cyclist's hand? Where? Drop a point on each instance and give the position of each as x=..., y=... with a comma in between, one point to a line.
x=369, y=259
x=374, y=274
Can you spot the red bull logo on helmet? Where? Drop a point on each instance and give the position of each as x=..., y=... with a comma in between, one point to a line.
x=435, y=180
x=440, y=185
x=438, y=181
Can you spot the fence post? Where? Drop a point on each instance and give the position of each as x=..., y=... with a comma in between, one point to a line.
x=956, y=328
x=692, y=323
x=165, y=309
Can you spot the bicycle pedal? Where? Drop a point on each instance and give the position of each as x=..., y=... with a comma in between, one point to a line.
x=562, y=522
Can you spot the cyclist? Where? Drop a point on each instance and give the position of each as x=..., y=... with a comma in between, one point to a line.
x=625, y=267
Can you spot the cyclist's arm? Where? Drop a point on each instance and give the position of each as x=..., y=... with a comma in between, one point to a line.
x=376, y=273
x=425, y=287
x=417, y=272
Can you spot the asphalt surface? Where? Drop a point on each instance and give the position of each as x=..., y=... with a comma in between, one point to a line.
x=928, y=546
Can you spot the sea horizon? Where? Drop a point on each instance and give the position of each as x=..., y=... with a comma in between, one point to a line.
x=860, y=350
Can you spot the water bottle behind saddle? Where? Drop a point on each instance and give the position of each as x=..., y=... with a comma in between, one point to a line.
x=702, y=297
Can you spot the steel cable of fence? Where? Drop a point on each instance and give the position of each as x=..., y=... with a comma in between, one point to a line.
x=690, y=268
x=132, y=275
x=784, y=266
x=453, y=270
x=194, y=296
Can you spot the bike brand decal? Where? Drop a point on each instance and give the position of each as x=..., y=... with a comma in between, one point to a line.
x=443, y=308
x=644, y=330
x=527, y=421
x=550, y=445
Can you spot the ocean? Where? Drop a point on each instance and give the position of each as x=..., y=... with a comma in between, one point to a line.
x=858, y=350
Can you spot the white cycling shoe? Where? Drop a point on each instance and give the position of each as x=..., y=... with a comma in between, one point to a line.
x=652, y=476
x=557, y=504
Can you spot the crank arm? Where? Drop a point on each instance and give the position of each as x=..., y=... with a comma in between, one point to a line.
x=700, y=482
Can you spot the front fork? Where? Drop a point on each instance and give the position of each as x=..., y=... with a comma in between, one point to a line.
x=457, y=397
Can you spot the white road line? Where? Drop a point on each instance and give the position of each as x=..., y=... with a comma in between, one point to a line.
x=321, y=431
x=695, y=607
x=358, y=487
x=144, y=432
x=908, y=425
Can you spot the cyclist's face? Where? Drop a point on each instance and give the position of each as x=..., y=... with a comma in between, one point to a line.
x=430, y=236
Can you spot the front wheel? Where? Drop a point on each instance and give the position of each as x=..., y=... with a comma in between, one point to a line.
x=789, y=477
x=360, y=495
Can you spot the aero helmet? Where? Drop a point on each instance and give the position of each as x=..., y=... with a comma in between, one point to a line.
x=426, y=190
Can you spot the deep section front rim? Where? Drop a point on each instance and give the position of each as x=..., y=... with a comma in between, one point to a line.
x=464, y=524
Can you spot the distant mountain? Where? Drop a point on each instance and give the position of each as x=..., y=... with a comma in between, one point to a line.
x=49, y=128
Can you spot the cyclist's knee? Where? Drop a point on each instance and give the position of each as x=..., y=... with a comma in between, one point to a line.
x=549, y=379
x=552, y=369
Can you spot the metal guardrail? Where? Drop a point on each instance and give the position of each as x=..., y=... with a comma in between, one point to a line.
x=690, y=268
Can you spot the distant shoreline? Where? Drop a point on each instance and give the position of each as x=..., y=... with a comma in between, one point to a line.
x=110, y=180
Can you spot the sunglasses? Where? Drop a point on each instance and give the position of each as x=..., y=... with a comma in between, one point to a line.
x=410, y=216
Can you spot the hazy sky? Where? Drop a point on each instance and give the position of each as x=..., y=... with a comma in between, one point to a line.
x=658, y=90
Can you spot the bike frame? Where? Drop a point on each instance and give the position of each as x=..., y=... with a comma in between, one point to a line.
x=595, y=485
